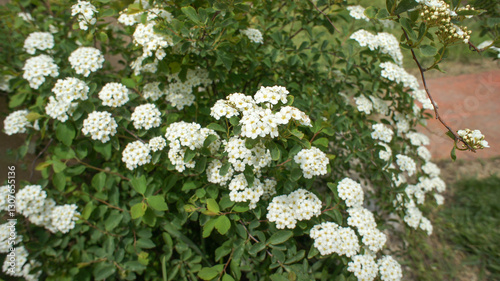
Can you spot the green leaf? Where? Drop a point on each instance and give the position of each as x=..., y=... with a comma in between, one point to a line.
x=113, y=221
x=371, y=12
x=139, y=184
x=103, y=270
x=222, y=224
x=453, y=154
x=108, y=13
x=188, y=186
x=279, y=237
x=208, y=227
x=138, y=210
x=189, y=155
x=428, y=50
x=17, y=99
x=59, y=181
x=321, y=142
x=157, y=202
x=208, y=273
x=129, y=82
x=191, y=13
x=407, y=26
x=58, y=166
x=382, y=14
x=390, y=5
x=65, y=132
x=209, y=140
x=404, y=6
x=275, y=151
x=256, y=248
x=103, y=37
x=226, y=58
x=224, y=169
x=227, y=277
x=212, y=206
x=87, y=211
x=216, y=127
x=98, y=181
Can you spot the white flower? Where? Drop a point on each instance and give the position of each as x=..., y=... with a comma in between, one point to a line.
x=38, y=40
x=474, y=138
x=157, y=143
x=364, y=104
x=286, y=210
x=30, y=200
x=254, y=35
x=381, y=132
x=37, y=68
x=331, y=238
x=431, y=169
x=146, y=116
x=100, y=125
x=385, y=154
x=351, y=192
x=85, y=12
x=151, y=41
x=407, y=164
x=363, y=267
x=357, y=12
x=390, y=269
x=136, y=154
x=85, y=60
x=114, y=94
x=64, y=217
x=16, y=122
x=152, y=91
x=312, y=161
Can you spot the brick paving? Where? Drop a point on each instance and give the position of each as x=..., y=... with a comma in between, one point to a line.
x=466, y=101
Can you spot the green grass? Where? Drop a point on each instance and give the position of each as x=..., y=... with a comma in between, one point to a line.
x=466, y=240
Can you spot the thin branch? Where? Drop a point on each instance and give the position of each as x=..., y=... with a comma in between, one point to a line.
x=38, y=156
x=422, y=70
x=102, y=170
x=324, y=15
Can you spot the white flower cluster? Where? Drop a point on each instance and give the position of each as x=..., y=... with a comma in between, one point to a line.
x=8, y=234
x=418, y=139
x=66, y=92
x=213, y=173
x=21, y=266
x=385, y=154
x=473, y=138
x=151, y=41
x=364, y=267
x=183, y=135
x=132, y=19
x=239, y=155
x=4, y=83
x=136, y=154
x=351, y=192
x=382, y=132
x=431, y=169
x=357, y=12
x=254, y=35
x=32, y=202
x=152, y=91
x=85, y=60
x=240, y=191
x=331, y=238
x=364, y=104
x=398, y=74
x=364, y=221
x=406, y=163
x=27, y=17
x=38, y=40
x=180, y=94
x=16, y=122
x=146, y=116
x=257, y=121
x=157, y=143
x=424, y=153
x=85, y=12
x=385, y=42
x=114, y=94
x=36, y=68
x=312, y=161
x=390, y=269
x=100, y=125
x=286, y=210
x=138, y=67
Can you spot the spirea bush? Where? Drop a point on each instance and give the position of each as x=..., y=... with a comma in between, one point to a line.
x=222, y=140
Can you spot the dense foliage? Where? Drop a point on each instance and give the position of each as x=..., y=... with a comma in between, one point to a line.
x=221, y=140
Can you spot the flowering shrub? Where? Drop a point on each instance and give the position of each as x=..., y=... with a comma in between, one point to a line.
x=214, y=140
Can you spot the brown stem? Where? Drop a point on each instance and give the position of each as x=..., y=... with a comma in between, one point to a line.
x=421, y=69
x=38, y=156
x=102, y=231
x=248, y=232
x=102, y=170
x=107, y=204
x=284, y=162
x=324, y=15
x=227, y=263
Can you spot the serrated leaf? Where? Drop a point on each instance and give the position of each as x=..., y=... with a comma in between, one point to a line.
x=65, y=132
x=371, y=12
x=222, y=224
x=208, y=273
x=157, y=202
x=256, y=248
x=428, y=50
x=138, y=210
x=208, y=227
x=279, y=237
x=404, y=6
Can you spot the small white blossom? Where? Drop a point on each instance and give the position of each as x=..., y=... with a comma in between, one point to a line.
x=114, y=94
x=37, y=68
x=38, y=40
x=312, y=162
x=254, y=35
x=85, y=60
x=100, y=125
x=157, y=143
x=136, y=154
x=85, y=12
x=146, y=116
